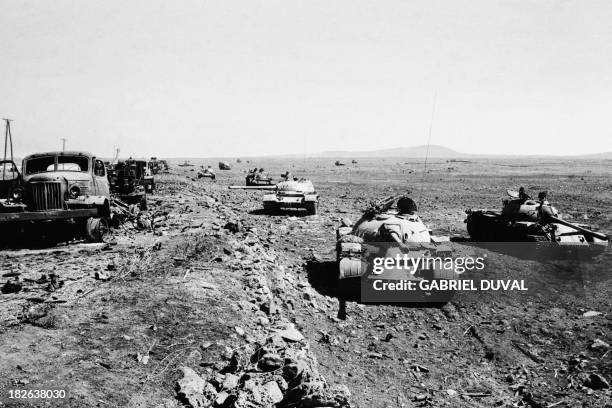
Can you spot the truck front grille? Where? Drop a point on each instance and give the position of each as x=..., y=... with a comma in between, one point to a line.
x=46, y=196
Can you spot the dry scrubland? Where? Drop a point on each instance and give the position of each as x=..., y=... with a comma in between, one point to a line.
x=192, y=294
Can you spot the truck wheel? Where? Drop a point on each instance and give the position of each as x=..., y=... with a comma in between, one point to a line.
x=312, y=207
x=96, y=229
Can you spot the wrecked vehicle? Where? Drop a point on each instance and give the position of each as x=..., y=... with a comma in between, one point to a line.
x=523, y=219
x=57, y=186
x=389, y=229
x=224, y=166
x=163, y=164
x=130, y=180
x=257, y=177
x=208, y=172
x=156, y=166
x=288, y=194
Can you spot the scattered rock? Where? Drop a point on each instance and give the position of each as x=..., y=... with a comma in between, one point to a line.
x=12, y=286
x=596, y=382
x=193, y=390
x=290, y=333
x=599, y=344
x=420, y=397
x=591, y=313
x=102, y=275
x=270, y=362
x=230, y=382
x=142, y=358
x=233, y=227
x=271, y=393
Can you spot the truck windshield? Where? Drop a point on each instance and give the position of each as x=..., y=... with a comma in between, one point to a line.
x=64, y=163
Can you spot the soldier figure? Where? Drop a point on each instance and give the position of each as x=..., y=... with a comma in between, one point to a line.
x=523, y=196
x=545, y=209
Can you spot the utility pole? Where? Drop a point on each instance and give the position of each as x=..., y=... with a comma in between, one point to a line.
x=63, y=144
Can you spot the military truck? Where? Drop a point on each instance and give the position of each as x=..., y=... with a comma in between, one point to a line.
x=52, y=186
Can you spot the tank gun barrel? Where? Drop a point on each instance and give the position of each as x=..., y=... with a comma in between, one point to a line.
x=271, y=187
x=579, y=228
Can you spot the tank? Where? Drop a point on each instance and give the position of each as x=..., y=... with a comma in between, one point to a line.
x=523, y=219
x=296, y=193
x=257, y=177
x=224, y=166
x=384, y=231
x=207, y=172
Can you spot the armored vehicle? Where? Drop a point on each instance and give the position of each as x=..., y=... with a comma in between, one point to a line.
x=156, y=166
x=525, y=219
x=257, y=177
x=207, y=172
x=131, y=181
x=338, y=163
x=57, y=186
x=390, y=229
x=224, y=166
x=296, y=193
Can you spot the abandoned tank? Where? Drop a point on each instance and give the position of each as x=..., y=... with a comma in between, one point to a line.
x=523, y=219
x=207, y=172
x=387, y=230
x=290, y=193
x=257, y=177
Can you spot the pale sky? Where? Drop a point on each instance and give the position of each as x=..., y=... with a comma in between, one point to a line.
x=236, y=78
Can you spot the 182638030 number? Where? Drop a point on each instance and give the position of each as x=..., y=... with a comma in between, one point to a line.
x=37, y=394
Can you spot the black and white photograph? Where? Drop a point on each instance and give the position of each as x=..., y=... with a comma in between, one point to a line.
x=306, y=204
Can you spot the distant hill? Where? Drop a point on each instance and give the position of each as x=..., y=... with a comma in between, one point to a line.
x=441, y=152
x=416, y=152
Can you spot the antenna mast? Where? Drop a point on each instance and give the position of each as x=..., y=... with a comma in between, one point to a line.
x=433, y=111
x=8, y=142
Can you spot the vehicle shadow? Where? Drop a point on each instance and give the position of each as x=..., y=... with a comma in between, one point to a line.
x=538, y=251
x=38, y=236
x=323, y=277
x=280, y=213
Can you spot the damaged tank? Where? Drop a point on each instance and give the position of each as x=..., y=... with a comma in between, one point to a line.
x=295, y=193
x=224, y=166
x=523, y=219
x=207, y=172
x=257, y=177
x=389, y=229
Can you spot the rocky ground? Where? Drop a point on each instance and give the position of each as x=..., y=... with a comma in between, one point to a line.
x=207, y=301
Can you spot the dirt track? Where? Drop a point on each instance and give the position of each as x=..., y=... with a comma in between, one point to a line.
x=177, y=296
